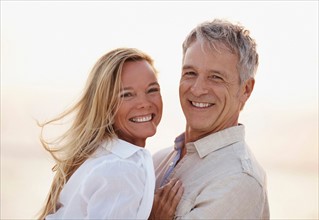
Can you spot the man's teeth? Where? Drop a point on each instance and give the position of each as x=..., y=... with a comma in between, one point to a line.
x=142, y=119
x=201, y=104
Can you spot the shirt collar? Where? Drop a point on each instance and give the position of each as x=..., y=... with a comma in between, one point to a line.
x=179, y=141
x=220, y=139
x=214, y=141
x=121, y=148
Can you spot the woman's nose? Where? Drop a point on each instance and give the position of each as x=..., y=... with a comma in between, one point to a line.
x=143, y=101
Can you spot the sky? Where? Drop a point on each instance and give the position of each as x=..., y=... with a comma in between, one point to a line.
x=49, y=47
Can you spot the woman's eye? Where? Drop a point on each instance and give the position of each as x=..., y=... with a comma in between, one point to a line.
x=126, y=95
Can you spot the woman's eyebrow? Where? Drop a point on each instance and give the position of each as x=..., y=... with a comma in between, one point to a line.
x=131, y=88
x=126, y=88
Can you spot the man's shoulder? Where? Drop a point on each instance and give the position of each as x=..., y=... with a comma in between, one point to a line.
x=161, y=154
x=250, y=165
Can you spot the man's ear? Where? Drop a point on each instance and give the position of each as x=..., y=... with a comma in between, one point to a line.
x=247, y=88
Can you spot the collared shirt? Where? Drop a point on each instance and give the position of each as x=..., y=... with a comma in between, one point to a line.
x=220, y=176
x=117, y=182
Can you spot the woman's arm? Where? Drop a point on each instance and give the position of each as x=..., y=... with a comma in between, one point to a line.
x=166, y=200
x=114, y=192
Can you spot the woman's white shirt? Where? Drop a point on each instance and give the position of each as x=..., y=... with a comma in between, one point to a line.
x=117, y=182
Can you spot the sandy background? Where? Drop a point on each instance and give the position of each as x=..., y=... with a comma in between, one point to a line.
x=48, y=47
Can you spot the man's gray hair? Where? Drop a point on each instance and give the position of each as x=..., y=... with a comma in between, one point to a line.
x=234, y=37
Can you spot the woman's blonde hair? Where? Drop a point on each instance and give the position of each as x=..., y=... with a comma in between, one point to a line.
x=93, y=121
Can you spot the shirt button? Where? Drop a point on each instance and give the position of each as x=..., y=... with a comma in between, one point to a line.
x=171, y=163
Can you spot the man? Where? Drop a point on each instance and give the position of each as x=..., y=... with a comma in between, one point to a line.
x=220, y=176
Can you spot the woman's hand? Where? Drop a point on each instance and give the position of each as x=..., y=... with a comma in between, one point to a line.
x=166, y=200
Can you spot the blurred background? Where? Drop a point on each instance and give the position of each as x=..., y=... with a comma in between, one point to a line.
x=49, y=47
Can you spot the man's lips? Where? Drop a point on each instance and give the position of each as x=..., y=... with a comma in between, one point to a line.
x=201, y=104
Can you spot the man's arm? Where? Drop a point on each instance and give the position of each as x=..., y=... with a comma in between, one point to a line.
x=234, y=197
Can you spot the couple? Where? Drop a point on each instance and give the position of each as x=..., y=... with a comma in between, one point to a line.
x=104, y=172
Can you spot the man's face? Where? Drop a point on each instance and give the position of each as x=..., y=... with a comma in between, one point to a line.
x=210, y=92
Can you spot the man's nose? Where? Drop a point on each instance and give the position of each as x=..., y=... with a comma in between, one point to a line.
x=199, y=87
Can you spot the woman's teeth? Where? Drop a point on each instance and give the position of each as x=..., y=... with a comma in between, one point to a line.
x=142, y=119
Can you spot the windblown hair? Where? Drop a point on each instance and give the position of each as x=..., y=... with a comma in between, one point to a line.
x=221, y=33
x=93, y=120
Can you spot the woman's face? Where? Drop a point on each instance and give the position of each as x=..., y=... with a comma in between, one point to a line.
x=141, y=105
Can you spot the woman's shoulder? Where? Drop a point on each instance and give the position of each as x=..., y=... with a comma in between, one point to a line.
x=104, y=161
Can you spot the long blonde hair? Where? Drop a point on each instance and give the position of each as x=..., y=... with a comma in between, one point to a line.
x=93, y=122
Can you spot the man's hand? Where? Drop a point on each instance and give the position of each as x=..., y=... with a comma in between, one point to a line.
x=166, y=200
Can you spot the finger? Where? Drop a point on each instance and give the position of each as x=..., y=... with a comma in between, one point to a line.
x=177, y=196
x=174, y=189
x=159, y=191
x=166, y=190
x=163, y=199
x=175, y=200
x=167, y=186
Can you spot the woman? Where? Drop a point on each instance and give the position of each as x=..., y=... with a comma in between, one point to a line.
x=102, y=168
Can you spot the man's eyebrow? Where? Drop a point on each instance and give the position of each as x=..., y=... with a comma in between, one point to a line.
x=187, y=66
x=216, y=71
x=154, y=83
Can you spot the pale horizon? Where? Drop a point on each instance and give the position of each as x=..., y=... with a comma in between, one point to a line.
x=48, y=48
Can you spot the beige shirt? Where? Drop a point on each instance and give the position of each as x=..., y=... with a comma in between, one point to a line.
x=221, y=177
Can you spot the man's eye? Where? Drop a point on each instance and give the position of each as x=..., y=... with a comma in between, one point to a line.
x=189, y=73
x=155, y=89
x=216, y=77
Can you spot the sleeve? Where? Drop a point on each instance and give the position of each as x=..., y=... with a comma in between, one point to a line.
x=160, y=155
x=114, y=191
x=235, y=197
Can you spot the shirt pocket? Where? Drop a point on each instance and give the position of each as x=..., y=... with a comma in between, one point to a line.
x=185, y=206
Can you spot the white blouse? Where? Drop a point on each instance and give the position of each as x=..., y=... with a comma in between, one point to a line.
x=116, y=183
